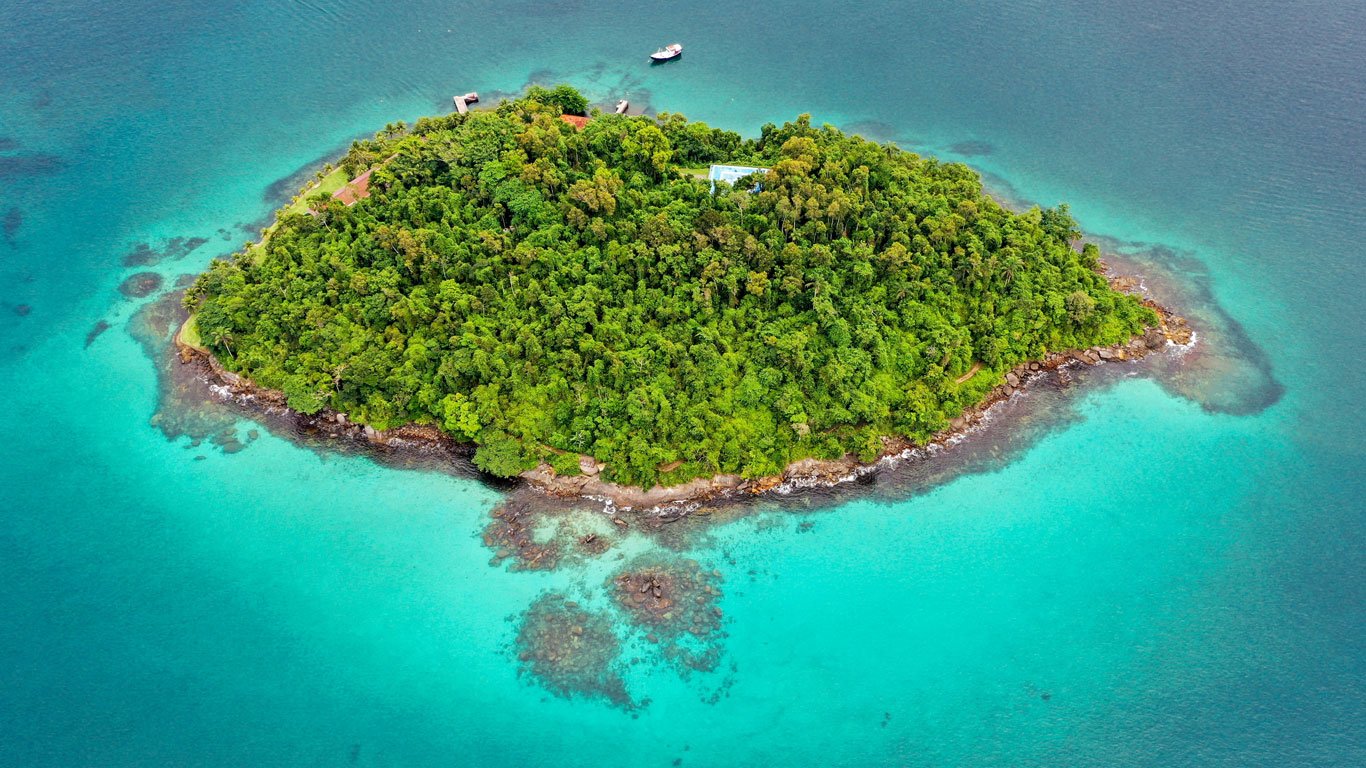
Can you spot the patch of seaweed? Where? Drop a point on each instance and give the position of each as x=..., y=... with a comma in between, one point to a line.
x=278, y=192
x=282, y=190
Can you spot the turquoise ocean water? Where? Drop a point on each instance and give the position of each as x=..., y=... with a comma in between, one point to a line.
x=1144, y=573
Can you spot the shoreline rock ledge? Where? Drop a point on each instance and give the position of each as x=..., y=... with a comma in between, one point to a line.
x=810, y=472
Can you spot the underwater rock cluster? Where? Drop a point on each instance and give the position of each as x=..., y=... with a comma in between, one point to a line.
x=571, y=651
x=674, y=601
x=660, y=611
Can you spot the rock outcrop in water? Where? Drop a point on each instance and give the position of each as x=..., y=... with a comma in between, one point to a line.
x=674, y=601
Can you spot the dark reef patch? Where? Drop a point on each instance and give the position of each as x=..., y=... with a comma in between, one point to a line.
x=546, y=77
x=572, y=651
x=175, y=249
x=94, y=333
x=31, y=164
x=14, y=219
x=673, y=602
x=280, y=191
x=253, y=228
x=186, y=407
x=142, y=255
x=7, y=144
x=141, y=285
x=183, y=247
x=537, y=533
x=228, y=440
x=22, y=310
x=661, y=610
x=1227, y=372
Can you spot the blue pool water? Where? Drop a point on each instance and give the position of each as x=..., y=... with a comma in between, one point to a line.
x=1159, y=571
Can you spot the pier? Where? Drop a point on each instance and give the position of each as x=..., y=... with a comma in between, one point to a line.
x=462, y=103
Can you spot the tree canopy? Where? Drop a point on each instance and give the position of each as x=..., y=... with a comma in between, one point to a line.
x=545, y=292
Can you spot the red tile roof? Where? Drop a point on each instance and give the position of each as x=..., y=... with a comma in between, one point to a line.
x=575, y=120
x=357, y=189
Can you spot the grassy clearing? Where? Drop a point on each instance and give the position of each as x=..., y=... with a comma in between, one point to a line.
x=328, y=184
x=333, y=181
x=189, y=335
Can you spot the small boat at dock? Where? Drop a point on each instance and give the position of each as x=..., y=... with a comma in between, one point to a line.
x=622, y=106
x=462, y=102
x=667, y=53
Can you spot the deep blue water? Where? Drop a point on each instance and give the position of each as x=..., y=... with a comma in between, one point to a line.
x=1155, y=574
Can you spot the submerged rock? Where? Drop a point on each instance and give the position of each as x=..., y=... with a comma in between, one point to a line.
x=571, y=651
x=95, y=331
x=14, y=218
x=144, y=255
x=141, y=285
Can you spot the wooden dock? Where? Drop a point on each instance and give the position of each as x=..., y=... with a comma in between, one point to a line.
x=462, y=103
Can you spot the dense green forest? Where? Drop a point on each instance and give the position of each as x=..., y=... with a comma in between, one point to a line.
x=544, y=291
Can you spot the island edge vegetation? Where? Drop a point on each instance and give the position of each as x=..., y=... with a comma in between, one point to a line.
x=545, y=289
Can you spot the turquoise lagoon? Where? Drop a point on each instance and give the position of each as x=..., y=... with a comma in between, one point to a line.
x=1154, y=567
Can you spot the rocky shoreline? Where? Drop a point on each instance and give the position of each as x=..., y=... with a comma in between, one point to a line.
x=228, y=386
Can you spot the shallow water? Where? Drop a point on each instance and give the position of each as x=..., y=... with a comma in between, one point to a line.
x=1150, y=567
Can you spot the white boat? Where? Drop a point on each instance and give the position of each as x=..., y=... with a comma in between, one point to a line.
x=667, y=52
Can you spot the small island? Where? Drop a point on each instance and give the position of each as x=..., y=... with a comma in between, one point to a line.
x=578, y=298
